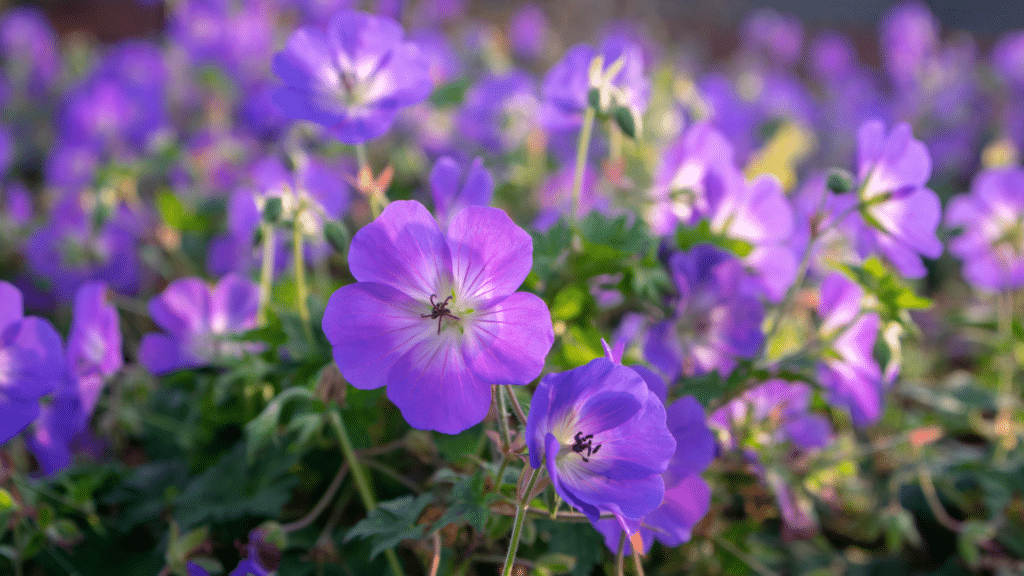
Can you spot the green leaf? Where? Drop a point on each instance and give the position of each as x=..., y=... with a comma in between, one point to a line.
x=391, y=522
x=272, y=209
x=549, y=249
x=839, y=180
x=551, y=564
x=450, y=94
x=261, y=429
x=892, y=292
x=6, y=502
x=689, y=236
x=469, y=504
x=176, y=214
x=337, y=235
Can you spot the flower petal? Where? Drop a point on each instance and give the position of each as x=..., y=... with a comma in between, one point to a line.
x=234, y=305
x=370, y=326
x=183, y=308
x=695, y=445
x=507, y=342
x=685, y=504
x=491, y=256
x=11, y=305
x=435, y=390
x=403, y=248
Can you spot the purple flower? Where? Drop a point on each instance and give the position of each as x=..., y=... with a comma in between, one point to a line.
x=198, y=323
x=555, y=197
x=849, y=371
x=93, y=355
x=785, y=405
x=910, y=37
x=499, y=112
x=776, y=36
x=451, y=193
x=29, y=46
x=31, y=363
x=1008, y=59
x=604, y=439
x=717, y=318
x=528, y=32
x=687, y=496
x=695, y=173
x=895, y=213
x=620, y=81
x=353, y=79
x=434, y=315
x=991, y=245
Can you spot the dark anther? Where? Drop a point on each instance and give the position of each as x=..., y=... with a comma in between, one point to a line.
x=585, y=443
x=440, y=311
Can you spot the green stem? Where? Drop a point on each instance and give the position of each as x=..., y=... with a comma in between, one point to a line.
x=1004, y=327
x=361, y=157
x=299, y=261
x=620, y=556
x=506, y=435
x=266, y=270
x=637, y=564
x=517, y=526
x=581, y=158
x=516, y=406
x=359, y=475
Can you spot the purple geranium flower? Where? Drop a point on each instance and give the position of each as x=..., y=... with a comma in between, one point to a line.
x=198, y=322
x=434, y=315
x=893, y=213
x=353, y=79
x=687, y=496
x=785, y=405
x=93, y=355
x=991, y=245
x=603, y=436
x=451, y=192
x=717, y=319
x=849, y=371
x=499, y=112
x=29, y=46
x=31, y=362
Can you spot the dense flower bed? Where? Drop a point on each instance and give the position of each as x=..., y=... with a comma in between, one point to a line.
x=296, y=288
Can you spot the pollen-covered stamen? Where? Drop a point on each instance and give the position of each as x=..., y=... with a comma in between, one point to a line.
x=439, y=311
x=585, y=443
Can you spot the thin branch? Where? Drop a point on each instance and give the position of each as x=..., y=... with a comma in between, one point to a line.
x=321, y=505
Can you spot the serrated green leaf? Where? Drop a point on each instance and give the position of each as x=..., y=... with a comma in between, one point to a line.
x=391, y=522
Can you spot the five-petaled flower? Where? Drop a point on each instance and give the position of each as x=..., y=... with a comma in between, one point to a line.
x=354, y=79
x=604, y=439
x=434, y=315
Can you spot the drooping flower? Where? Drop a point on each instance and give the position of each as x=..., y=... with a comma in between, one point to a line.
x=619, y=81
x=991, y=244
x=893, y=212
x=354, y=79
x=717, y=319
x=434, y=315
x=198, y=322
x=31, y=362
x=603, y=437
x=849, y=371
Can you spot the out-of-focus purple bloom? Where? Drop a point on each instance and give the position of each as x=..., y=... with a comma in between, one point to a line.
x=991, y=244
x=15, y=208
x=317, y=186
x=619, y=81
x=29, y=46
x=1008, y=59
x=775, y=36
x=555, y=197
x=76, y=245
x=198, y=323
x=434, y=315
x=759, y=213
x=849, y=371
x=909, y=37
x=687, y=496
x=499, y=112
x=443, y=63
x=6, y=150
x=603, y=437
x=785, y=406
x=31, y=362
x=717, y=318
x=528, y=32
x=893, y=213
x=93, y=355
x=353, y=79
x=238, y=37
x=451, y=192
x=317, y=12
x=696, y=172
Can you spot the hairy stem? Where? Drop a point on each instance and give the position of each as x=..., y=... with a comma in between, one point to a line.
x=517, y=526
x=299, y=261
